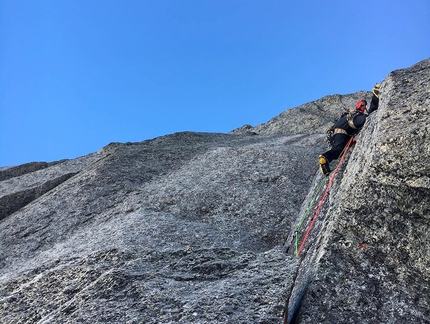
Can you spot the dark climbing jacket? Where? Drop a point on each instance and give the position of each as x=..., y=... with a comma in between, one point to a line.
x=374, y=104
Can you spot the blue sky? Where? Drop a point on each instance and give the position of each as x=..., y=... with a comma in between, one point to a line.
x=76, y=75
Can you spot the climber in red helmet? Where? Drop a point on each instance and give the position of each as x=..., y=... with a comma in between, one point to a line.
x=346, y=126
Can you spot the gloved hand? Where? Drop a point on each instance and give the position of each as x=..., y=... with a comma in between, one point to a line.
x=375, y=90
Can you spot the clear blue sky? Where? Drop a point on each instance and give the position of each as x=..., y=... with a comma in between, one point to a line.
x=76, y=75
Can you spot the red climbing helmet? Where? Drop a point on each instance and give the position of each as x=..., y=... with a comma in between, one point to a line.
x=361, y=106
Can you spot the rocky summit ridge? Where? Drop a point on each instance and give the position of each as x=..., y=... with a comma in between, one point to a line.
x=201, y=227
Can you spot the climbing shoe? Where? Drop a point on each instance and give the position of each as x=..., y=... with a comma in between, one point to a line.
x=324, y=165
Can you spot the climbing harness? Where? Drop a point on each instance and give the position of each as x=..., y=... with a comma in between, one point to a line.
x=350, y=118
x=298, y=249
x=340, y=131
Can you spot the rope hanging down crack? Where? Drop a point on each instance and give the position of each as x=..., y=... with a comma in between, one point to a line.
x=321, y=202
x=286, y=315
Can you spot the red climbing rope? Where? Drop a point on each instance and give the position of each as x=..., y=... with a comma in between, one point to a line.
x=325, y=195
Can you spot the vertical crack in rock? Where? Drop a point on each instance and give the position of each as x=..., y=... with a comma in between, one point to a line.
x=370, y=262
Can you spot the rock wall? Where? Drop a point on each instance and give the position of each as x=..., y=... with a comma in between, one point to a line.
x=368, y=259
x=200, y=227
x=22, y=184
x=185, y=228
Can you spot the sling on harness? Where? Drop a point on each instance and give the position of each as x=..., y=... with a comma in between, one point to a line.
x=329, y=138
x=340, y=131
x=350, y=118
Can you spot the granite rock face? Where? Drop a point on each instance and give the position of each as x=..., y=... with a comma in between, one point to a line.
x=185, y=228
x=368, y=258
x=22, y=184
x=201, y=227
